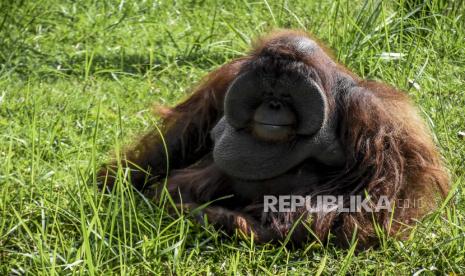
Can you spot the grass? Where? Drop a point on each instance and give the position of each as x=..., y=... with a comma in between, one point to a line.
x=78, y=78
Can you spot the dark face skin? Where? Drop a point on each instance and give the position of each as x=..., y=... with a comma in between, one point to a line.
x=273, y=122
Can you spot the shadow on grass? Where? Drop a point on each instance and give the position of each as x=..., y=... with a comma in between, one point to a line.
x=104, y=65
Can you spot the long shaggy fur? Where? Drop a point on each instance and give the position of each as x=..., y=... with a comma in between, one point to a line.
x=390, y=152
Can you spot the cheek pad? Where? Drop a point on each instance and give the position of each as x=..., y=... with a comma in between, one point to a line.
x=311, y=106
x=241, y=100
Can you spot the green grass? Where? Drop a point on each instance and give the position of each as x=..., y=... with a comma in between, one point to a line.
x=78, y=79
